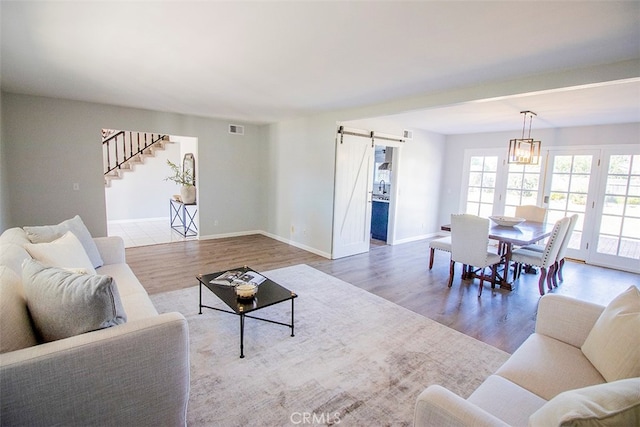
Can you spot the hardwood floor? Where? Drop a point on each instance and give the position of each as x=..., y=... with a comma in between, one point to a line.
x=397, y=273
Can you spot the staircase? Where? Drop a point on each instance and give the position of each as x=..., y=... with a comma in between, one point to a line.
x=123, y=150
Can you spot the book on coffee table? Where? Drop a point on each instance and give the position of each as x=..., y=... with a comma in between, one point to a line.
x=235, y=277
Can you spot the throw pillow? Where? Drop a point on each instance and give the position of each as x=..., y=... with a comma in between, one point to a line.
x=16, y=331
x=65, y=252
x=613, y=345
x=49, y=233
x=63, y=304
x=611, y=404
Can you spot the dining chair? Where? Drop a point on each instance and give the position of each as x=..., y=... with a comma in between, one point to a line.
x=545, y=259
x=532, y=213
x=469, y=240
x=557, y=268
x=442, y=244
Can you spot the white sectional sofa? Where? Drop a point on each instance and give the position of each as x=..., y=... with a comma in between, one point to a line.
x=133, y=369
x=579, y=367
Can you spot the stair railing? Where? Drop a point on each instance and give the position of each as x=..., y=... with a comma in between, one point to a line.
x=122, y=146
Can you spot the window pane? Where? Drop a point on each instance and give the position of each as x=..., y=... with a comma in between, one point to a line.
x=489, y=180
x=619, y=164
x=473, y=195
x=513, y=199
x=610, y=224
x=558, y=201
x=475, y=179
x=487, y=195
x=476, y=163
x=580, y=184
x=613, y=205
x=560, y=182
x=514, y=181
x=582, y=164
x=562, y=164
x=491, y=164
x=617, y=185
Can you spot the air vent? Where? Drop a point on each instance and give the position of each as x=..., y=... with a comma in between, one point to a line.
x=407, y=134
x=236, y=129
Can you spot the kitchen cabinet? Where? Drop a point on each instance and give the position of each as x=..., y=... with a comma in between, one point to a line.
x=379, y=220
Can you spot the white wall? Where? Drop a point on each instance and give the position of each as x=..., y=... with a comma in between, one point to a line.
x=551, y=138
x=299, y=204
x=53, y=143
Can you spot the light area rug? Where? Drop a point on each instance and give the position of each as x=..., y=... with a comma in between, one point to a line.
x=356, y=359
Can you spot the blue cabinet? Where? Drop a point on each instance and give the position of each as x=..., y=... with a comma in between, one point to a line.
x=379, y=220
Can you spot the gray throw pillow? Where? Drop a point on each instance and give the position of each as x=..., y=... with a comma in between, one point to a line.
x=49, y=233
x=63, y=304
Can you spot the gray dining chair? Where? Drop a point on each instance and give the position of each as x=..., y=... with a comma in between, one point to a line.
x=469, y=240
x=546, y=259
x=442, y=244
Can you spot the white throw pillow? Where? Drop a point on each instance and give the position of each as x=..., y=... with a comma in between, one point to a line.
x=64, y=304
x=613, y=345
x=49, y=233
x=65, y=252
x=610, y=404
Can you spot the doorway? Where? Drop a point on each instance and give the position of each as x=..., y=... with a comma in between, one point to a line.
x=137, y=200
x=381, y=194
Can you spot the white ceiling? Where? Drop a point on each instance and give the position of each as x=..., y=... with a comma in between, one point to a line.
x=265, y=61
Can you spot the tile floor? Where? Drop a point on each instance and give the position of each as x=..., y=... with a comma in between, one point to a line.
x=144, y=233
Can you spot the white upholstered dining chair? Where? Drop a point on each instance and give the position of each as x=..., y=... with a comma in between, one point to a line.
x=442, y=244
x=469, y=239
x=532, y=213
x=557, y=267
x=546, y=259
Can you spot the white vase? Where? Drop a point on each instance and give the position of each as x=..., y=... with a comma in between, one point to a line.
x=188, y=194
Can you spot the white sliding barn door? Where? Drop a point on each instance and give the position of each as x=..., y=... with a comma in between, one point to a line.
x=352, y=197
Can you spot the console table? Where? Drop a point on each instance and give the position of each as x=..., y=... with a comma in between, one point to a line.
x=183, y=217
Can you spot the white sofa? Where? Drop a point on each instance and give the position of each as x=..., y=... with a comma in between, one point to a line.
x=551, y=380
x=133, y=373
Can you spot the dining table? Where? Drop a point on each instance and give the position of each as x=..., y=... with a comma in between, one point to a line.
x=523, y=234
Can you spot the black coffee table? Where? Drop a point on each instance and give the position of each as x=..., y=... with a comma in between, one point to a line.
x=269, y=293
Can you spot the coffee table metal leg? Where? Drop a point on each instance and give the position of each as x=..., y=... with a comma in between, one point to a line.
x=242, y=336
x=292, y=317
x=200, y=303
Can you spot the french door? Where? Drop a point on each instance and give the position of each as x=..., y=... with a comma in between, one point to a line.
x=600, y=185
x=570, y=188
x=616, y=240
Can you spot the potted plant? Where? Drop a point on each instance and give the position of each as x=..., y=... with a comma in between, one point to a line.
x=183, y=177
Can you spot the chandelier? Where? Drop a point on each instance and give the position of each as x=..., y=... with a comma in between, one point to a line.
x=524, y=151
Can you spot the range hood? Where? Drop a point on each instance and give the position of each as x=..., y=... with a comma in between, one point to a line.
x=387, y=160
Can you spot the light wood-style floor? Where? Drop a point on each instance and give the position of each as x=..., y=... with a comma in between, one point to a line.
x=397, y=273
